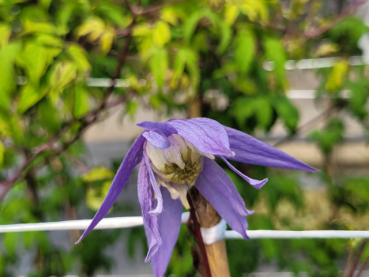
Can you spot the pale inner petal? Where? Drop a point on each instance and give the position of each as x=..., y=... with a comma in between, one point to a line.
x=177, y=166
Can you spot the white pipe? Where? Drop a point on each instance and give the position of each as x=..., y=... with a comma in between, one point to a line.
x=314, y=234
x=127, y=222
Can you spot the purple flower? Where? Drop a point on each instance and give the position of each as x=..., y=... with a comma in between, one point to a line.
x=177, y=155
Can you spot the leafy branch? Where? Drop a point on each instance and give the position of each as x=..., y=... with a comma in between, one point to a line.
x=313, y=33
x=86, y=121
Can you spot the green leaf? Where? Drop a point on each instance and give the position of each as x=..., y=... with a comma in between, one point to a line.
x=61, y=74
x=38, y=27
x=98, y=174
x=179, y=65
x=106, y=39
x=243, y=108
x=274, y=51
x=255, y=10
x=159, y=66
x=245, y=50
x=225, y=36
x=81, y=101
x=49, y=40
x=78, y=54
x=94, y=27
x=337, y=75
x=95, y=196
x=287, y=112
x=161, y=33
x=2, y=151
x=191, y=23
x=131, y=108
x=230, y=14
x=11, y=242
x=5, y=32
x=29, y=97
x=358, y=98
x=8, y=53
x=28, y=239
x=263, y=111
x=35, y=59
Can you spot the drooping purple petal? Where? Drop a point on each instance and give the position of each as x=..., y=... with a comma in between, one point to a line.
x=157, y=138
x=205, y=134
x=147, y=200
x=155, y=187
x=215, y=185
x=169, y=224
x=164, y=127
x=133, y=158
x=252, y=151
x=255, y=183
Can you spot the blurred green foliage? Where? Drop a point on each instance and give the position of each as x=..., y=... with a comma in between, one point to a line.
x=177, y=56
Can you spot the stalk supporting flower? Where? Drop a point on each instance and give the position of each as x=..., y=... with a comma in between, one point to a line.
x=177, y=155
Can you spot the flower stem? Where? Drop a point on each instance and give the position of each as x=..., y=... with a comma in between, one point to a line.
x=198, y=236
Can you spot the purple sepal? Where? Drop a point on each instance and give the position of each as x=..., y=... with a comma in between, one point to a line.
x=146, y=199
x=169, y=225
x=249, y=150
x=216, y=186
x=255, y=183
x=155, y=187
x=205, y=134
x=164, y=127
x=157, y=138
x=133, y=158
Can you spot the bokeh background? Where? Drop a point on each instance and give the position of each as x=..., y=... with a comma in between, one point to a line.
x=292, y=73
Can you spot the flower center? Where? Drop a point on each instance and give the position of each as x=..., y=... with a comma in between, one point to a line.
x=176, y=167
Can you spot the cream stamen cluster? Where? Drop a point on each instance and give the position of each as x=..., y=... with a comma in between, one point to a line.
x=177, y=167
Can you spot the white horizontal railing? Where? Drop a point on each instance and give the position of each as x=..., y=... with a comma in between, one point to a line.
x=127, y=222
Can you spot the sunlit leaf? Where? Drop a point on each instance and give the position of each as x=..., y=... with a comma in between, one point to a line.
x=230, y=14
x=5, y=32
x=2, y=151
x=169, y=15
x=255, y=10
x=161, y=33
x=94, y=27
x=95, y=196
x=337, y=75
x=38, y=27
x=62, y=73
x=159, y=66
x=98, y=174
x=106, y=39
x=326, y=49
x=78, y=54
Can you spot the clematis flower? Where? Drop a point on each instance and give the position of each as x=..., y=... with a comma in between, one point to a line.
x=179, y=154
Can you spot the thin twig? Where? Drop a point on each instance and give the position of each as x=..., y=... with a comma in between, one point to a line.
x=162, y=6
x=363, y=266
x=357, y=259
x=348, y=262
